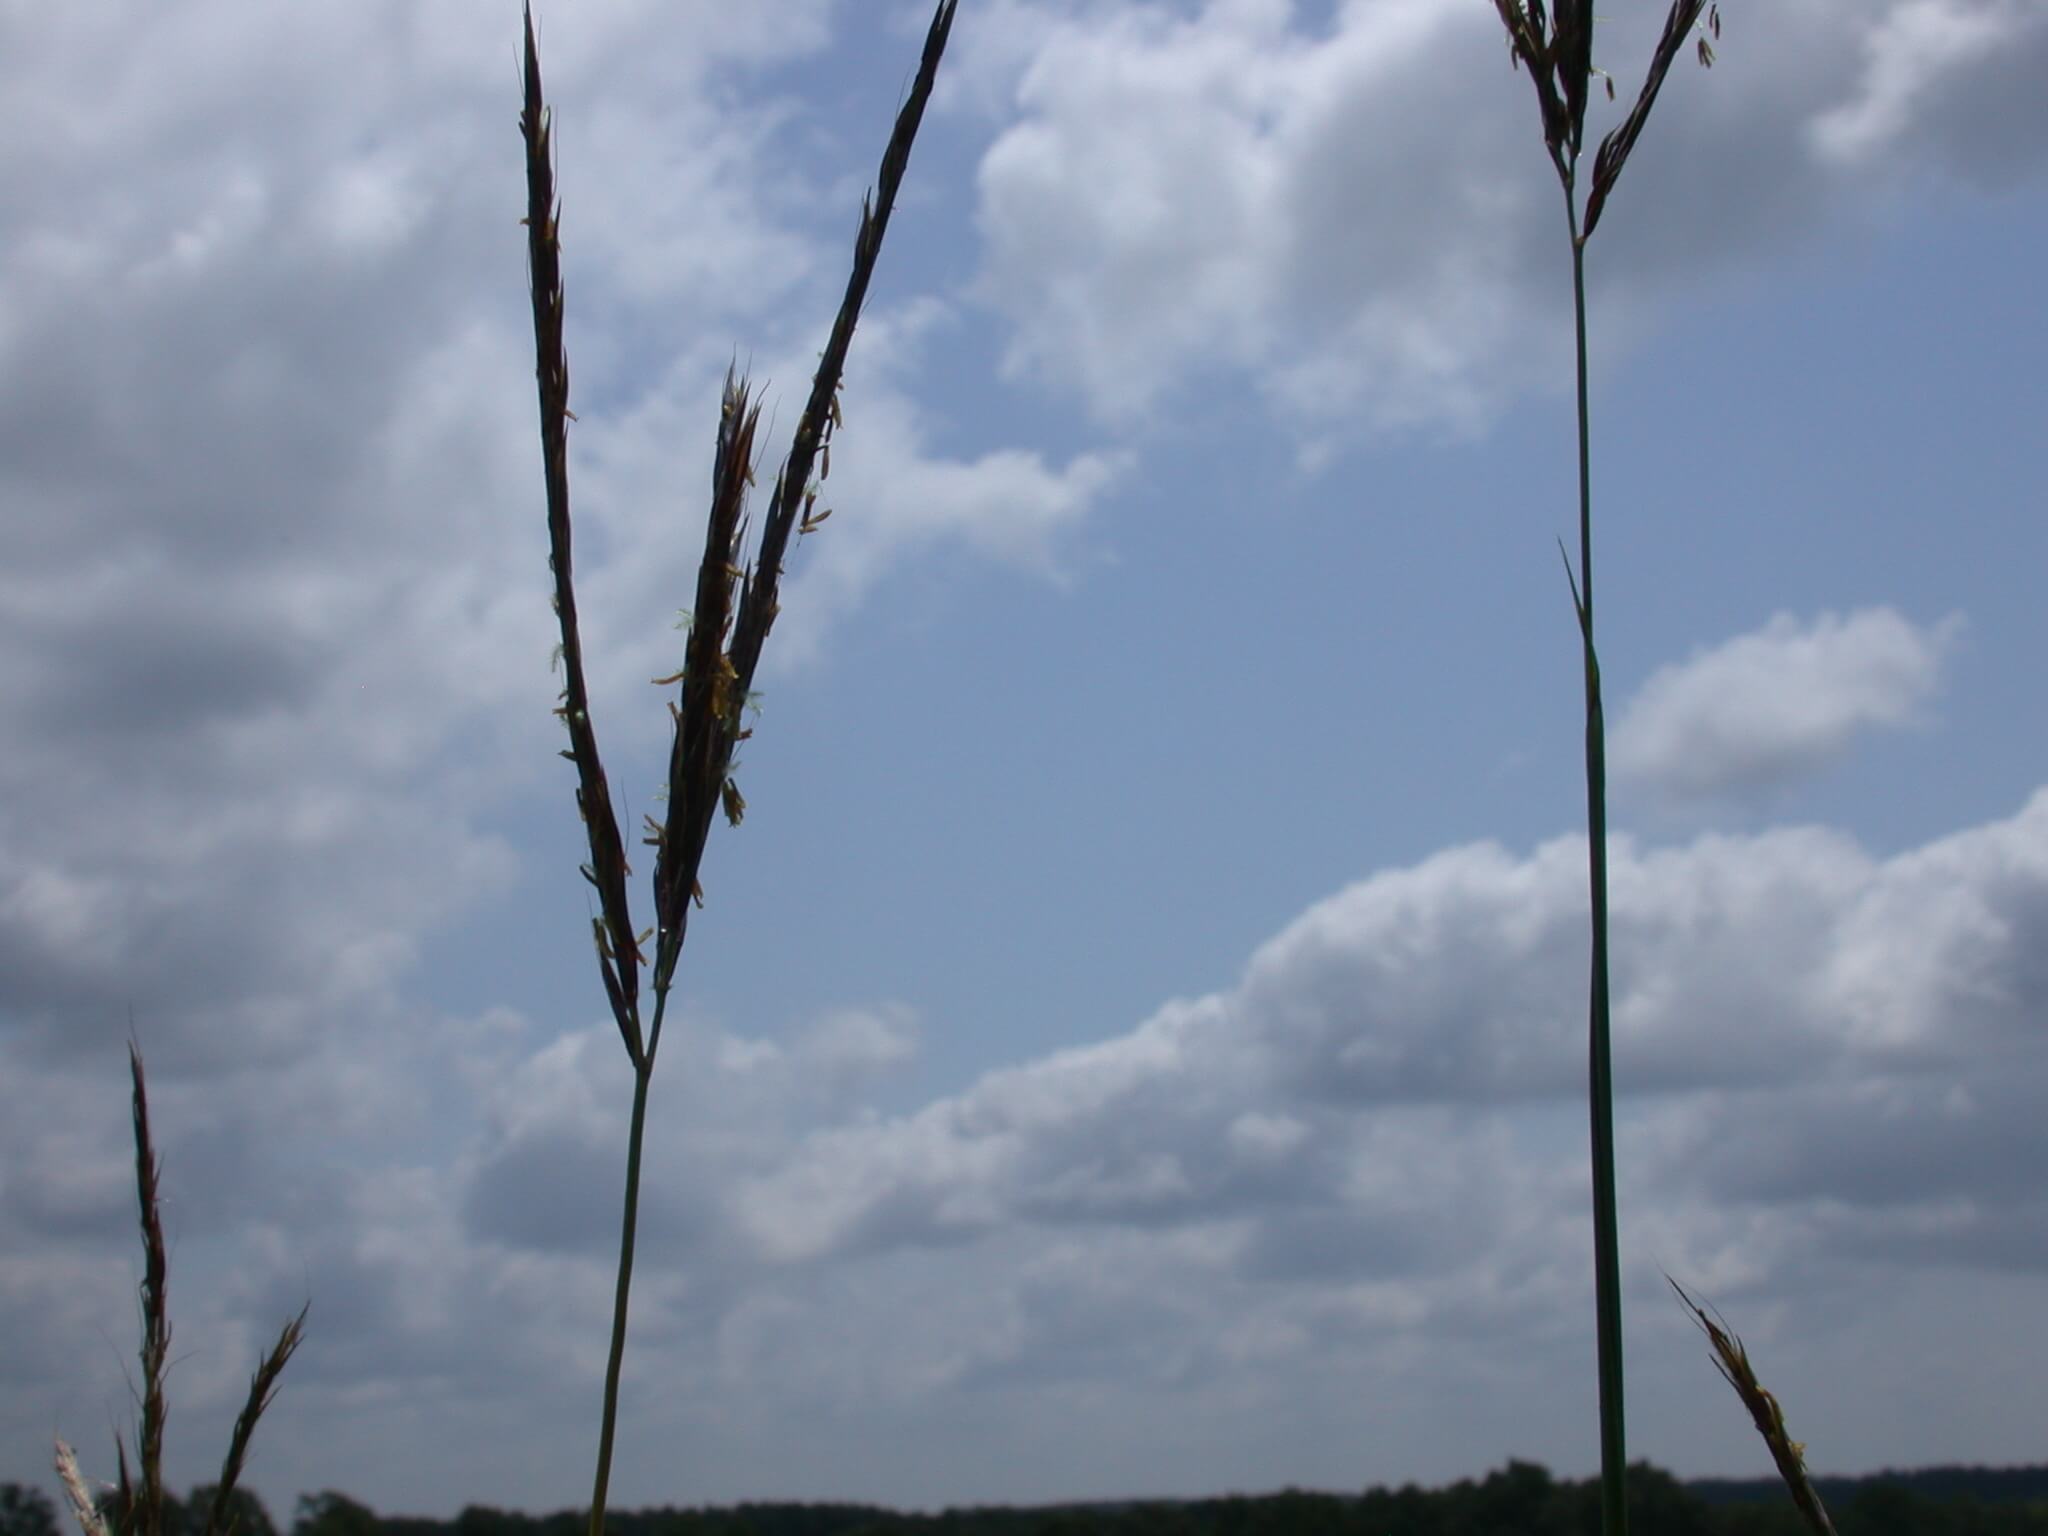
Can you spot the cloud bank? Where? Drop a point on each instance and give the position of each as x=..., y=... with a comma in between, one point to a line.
x=1353, y=1179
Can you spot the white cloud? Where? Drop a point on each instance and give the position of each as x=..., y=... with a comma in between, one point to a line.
x=1924, y=59
x=270, y=660
x=1188, y=189
x=1356, y=1177
x=265, y=410
x=901, y=499
x=1778, y=703
x=1774, y=962
x=1194, y=192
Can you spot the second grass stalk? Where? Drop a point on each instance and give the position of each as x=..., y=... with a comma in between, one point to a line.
x=1556, y=44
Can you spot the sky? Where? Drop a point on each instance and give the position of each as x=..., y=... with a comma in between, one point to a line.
x=1135, y=1043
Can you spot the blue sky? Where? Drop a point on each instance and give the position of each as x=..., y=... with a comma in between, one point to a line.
x=1134, y=1044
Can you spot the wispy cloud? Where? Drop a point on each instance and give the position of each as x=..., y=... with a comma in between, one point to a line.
x=1952, y=66
x=1778, y=703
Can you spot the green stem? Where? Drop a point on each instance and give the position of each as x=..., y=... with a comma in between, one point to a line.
x=643, y=1074
x=1606, y=1237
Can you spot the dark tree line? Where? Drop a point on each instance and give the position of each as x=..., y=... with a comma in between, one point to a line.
x=29, y=1512
x=1521, y=1499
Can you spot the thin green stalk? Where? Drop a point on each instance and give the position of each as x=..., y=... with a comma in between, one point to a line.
x=1555, y=42
x=1600, y=1068
x=629, y=1227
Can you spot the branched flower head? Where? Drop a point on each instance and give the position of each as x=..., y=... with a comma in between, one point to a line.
x=1557, y=45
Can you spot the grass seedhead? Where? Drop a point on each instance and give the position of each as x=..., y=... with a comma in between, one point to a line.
x=736, y=605
x=1557, y=47
x=262, y=1391
x=1732, y=1360
x=138, y=1507
x=607, y=869
x=144, y=1515
x=1614, y=150
x=85, y=1508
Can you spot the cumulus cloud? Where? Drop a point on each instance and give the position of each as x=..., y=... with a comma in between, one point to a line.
x=1370, y=1149
x=1182, y=189
x=1743, y=964
x=1778, y=703
x=272, y=663
x=269, y=660
x=1362, y=1162
x=904, y=500
x=261, y=420
x=1186, y=193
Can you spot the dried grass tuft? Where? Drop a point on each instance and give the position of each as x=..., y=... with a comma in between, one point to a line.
x=84, y=1507
x=1732, y=1360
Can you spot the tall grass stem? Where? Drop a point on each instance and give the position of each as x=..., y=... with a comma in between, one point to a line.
x=1555, y=43
x=629, y=1227
x=735, y=607
x=1600, y=1062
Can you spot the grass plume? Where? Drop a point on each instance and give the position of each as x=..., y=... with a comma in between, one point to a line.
x=1556, y=46
x=85, y=1508
x=146, y=1518
x=137, y=1500
x=736, y=605
x=1732, y=1360
x=262, y=1392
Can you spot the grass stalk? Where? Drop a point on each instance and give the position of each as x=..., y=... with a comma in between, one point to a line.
x=1600, y=1057
x=262, y=1391
x=143, y=1514
x=615, y=1359
x=736, y=605
x=1557, y=46
x=138, y=1506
